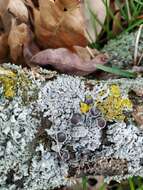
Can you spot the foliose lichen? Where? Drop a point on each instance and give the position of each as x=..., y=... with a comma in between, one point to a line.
x=59, y=135
x=121, y=49
x=113, y=106
x=14, y=82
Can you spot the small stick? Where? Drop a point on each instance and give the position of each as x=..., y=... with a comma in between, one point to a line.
x=90, y=52
x=128, y=10
x=137, y=44
x=140, y=59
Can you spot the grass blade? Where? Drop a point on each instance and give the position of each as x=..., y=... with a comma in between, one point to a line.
x=131, y=183
x=116, y=71
x=84, y=182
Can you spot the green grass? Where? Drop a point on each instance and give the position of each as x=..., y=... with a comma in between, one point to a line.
x=117, y=71
x=130, y=12
x=84, y=183
x=133, y=183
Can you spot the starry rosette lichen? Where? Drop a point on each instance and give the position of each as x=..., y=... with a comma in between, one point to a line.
x=76, y=123
x=70, y=129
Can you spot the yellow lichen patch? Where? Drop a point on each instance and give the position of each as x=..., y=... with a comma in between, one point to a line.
x=113, y=106
x=115, y=90
x=7, y=72
x=8, y=86
x=7, y=79
x=127, y=103
x=84, y=108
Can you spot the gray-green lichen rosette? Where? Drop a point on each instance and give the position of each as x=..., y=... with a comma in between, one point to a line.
x=55, y=128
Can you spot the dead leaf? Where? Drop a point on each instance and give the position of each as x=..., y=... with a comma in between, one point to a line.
x=5, y=16
x=84, y=53
x=138, y=115
x=29, y=50
x=92, y=9
x=3, y=47
x=17, y=38
x=116, y=26
x=7, y=21
x=59, y=24
x=13, y=9
x=1, y=25
x=3, y=6
x=66, y=61
x=18, y=9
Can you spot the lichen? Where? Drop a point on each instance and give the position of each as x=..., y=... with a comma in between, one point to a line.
x=114, y=104
x=121, y=49
x=8, y=80
x=8, y=86
x=45, y=142
x=14, y=82
x=24, y=84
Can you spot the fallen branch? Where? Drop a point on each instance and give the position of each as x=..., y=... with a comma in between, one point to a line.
x=57, y=127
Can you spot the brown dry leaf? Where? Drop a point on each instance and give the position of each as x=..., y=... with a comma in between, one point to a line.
x=84, y=53
x=18, y=9
x=3, y=47
x=13, y=9
x=17, y=38
x=138, y=115
x=93, y=27
x=117, y=23
x=29, y=50
x=5, y=17
x=3, y=6
x=59, y=24
x=68, y=62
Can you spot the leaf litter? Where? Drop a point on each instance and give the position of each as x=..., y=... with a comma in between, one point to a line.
x=48, y=32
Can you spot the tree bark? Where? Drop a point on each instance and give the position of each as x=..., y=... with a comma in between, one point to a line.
x=54, y=128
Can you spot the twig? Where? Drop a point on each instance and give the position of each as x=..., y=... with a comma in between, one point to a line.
x=128, y=10
x=136, y=45
x=90, y=52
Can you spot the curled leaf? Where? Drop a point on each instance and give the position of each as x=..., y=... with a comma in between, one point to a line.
x=17, y=38
x=69, y=62
x=95, y=15
x=3, y=6
x=13, y=9
x=56, y=24
x=29, y=50
x=18, y=9
x=3, y=47
x=138, y=115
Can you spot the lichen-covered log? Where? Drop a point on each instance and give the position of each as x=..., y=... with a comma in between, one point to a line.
x=55, y=128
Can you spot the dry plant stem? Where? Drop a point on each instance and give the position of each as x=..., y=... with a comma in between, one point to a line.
x=53, y=130
x=90, y=52
x=136, y=46
x=140, y=59
x=128, y=10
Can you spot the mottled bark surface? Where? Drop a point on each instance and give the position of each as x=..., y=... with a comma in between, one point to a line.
x=58, y=127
